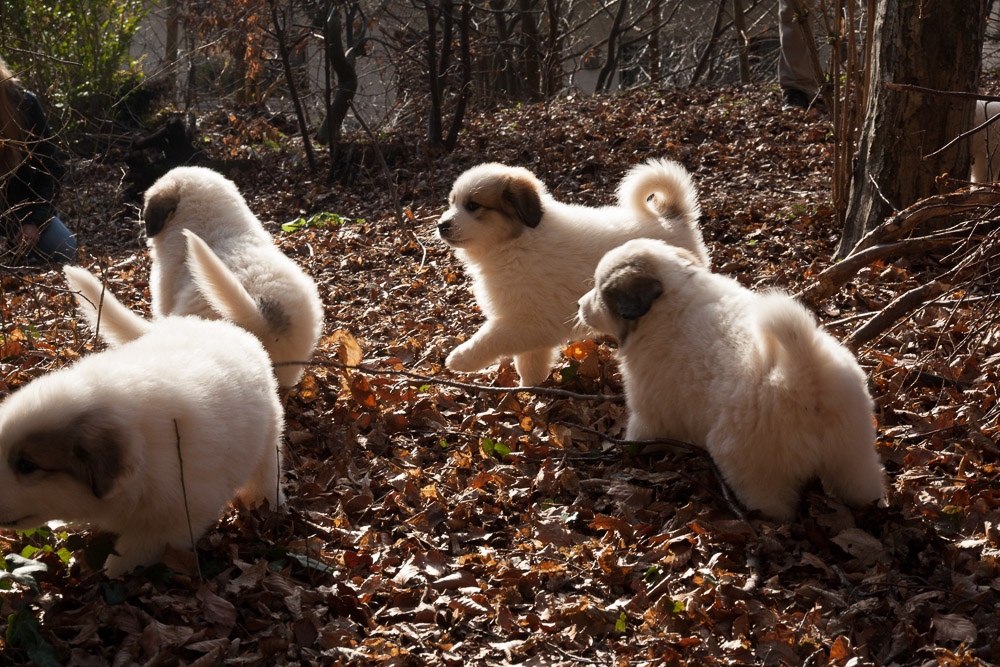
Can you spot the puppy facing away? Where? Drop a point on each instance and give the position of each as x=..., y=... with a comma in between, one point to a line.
x=96, y=442
x=531, y=257
x=986, y=144
x=751, y=377
x=213, y=258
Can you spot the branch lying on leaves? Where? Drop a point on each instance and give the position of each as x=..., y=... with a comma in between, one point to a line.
x=970, y=266
x=426, y=379
x=834, y=277
x=885, y=240
x=925, y=210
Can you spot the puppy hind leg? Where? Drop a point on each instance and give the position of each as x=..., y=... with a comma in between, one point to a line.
x=263, y=483
x=856, y=477
x=758, y=484
x=133, y=553
x=534, y=366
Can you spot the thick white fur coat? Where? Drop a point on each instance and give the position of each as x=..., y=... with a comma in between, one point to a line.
x=213, y=258
x=96, y=442
x=529, y=267
x=751, y=377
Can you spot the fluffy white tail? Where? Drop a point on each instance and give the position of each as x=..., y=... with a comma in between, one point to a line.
x=102, y=311
x=674, y=193
x=217, y=284
x=790, y=335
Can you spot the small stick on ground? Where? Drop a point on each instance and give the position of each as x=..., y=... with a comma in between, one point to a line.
x=426, y=379
x=187, y=511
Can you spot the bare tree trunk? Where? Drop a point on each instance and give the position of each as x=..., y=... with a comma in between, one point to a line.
x=172, y=47
x=508, y=82
x=713, y=39
x=463, y=92
x=551, y=63
x=434, y=81
x=342, y=64
x=607, y=74
x=280, y=35
x=893, y=168
x=655, y=16
x=743, y=45
x=532, y=51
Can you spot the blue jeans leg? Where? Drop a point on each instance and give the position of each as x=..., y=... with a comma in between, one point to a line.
x=57, y=243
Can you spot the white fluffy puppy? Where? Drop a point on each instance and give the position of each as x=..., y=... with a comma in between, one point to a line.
x=212, y=258
x=751, y=377
x=531, y=257
x=95, y=442
x=986, y=144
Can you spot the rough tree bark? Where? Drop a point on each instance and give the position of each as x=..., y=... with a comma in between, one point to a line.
x=743, y=44
x=433, y=79
x=465, y=87
x=280, y=34
x=551, y=64
x=342, y=64
x=936, y=44
x=532, y=50
x=605, y=78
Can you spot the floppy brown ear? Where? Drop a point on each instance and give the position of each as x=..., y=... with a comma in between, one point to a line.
x=158, y=209
x=88, y=449
x=522, y=198
x=630, y=291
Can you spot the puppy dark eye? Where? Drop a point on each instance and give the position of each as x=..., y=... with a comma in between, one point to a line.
x=472, y=206
x=25, y=466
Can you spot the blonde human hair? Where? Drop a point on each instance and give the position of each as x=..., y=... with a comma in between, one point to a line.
x=12, y=134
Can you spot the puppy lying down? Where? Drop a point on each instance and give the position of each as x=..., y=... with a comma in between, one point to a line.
x=95, y=442
x=213, y=258
x=531, y=257
x=750, y=377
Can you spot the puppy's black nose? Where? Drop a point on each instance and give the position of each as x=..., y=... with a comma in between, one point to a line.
x=443, y=227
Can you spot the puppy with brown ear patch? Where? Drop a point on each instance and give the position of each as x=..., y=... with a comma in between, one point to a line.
x=101, y=441
x=751, y=377
x=213, y=258
x=531, y=257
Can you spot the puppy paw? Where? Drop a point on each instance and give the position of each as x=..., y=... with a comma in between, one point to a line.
x=463, y=359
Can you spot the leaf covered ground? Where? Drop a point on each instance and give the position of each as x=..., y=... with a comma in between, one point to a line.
x=436, y=524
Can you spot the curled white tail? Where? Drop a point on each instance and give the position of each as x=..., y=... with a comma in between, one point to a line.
x=102, y=311
x=217, y=284
x=674, y=193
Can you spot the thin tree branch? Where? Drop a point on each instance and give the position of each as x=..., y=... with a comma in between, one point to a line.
x=425, y=379
x=834, y=277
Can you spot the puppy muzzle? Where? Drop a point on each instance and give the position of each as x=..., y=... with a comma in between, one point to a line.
x=444, y=228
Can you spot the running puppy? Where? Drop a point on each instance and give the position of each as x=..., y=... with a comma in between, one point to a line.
x=531, y=257
x=97, y=442
x=213, y=258
x=750, y=377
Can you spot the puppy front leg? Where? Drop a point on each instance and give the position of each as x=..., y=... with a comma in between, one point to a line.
x=504, y=338
x=475, y=353
x=501, y=338
x=534, y=367
x=133, y=551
